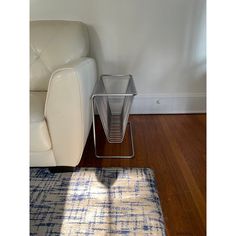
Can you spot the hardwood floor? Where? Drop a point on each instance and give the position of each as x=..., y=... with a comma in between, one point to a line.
x=174, y=146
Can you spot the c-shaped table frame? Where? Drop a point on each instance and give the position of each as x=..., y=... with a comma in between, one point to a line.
x=94, y=137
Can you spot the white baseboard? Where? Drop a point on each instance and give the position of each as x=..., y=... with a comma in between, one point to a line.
x=169, y=103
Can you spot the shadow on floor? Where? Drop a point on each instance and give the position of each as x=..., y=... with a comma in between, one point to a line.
x=94, y=201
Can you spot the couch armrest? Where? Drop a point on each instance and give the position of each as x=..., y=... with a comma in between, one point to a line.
x=68, y=109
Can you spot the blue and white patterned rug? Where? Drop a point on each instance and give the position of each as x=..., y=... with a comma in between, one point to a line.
x=95, y=201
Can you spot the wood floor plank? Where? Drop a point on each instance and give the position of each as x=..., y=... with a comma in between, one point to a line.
x=189, y=179
x=174, y=146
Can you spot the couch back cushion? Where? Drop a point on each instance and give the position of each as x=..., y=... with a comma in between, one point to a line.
x=53, y=44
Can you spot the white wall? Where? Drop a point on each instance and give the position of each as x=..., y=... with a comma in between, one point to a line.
x=160, y=42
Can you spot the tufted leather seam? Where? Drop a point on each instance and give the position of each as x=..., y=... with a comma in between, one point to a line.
x=48, y=44
x=36, y=55
x=45, y=48
x=45, y=65
x=40, y=59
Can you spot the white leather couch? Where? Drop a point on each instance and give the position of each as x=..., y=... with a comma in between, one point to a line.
x=62, y=77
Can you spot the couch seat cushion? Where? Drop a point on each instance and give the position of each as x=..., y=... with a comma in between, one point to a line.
x=39, y=135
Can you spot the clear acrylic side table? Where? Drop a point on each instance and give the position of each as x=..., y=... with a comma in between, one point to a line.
x=112, y=99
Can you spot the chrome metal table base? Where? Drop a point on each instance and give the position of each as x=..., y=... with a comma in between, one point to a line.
x=118, y=156
x=112, y=98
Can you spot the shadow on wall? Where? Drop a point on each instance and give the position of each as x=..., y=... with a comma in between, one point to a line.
x=97, y=52
x=148, y=39
x=162, y=68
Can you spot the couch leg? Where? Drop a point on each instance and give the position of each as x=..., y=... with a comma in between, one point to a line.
x=60, y=169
